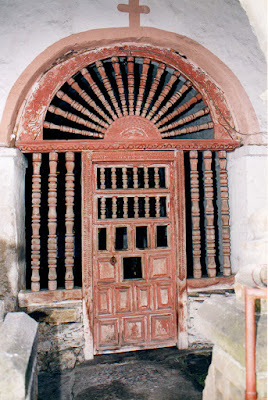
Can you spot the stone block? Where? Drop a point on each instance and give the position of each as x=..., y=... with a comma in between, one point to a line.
x=223, y=323
x=18, y=349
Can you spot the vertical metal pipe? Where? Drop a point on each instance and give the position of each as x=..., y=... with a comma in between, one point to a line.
x=251, y=393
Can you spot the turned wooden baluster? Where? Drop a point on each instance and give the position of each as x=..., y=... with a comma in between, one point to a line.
x=135, y=178
x=124, y=177
x=102, y=178
x=120, y=84
x=125, y=208
x=157, y=207
x=36, y=203
x=147, y=207
x=143, y=79
x=114, y=207
x=69, y=220
x=156, y=177
x=160, y=70
x=196, y=234
x=130, y=67
x=108, y=87
x=209, y=210
x=146, y=178
x=114, y=178
x=52, y=221
x=103, y=208
x=225, y=214
x=136, y=207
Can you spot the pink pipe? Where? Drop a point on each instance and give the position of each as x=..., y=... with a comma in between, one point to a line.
x=250, y=295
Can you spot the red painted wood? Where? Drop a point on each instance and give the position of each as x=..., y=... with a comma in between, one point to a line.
x=134, y=313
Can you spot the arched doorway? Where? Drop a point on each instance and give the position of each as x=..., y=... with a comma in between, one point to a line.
x=142, y=128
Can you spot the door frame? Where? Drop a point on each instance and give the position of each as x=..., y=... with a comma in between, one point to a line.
x=88, y=159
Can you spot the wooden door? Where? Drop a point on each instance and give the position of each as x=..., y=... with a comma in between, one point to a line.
x=134, y=290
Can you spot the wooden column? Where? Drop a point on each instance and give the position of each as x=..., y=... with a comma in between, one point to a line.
x=52, y=221
x=36, y=203
x=69, y=220
x=196, y=234
x=225, y=214
x=209, y=210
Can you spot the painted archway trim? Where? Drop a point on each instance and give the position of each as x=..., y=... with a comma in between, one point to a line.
x=243, y=114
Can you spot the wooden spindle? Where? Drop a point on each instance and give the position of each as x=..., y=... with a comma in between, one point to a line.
x=143, y=79
x=196, y=234
x=157, y=206
x=124, y=177
x=114, y=207
x=189, y=129
x=209, y=210
x=114, y=186
x=102, y=178
x=130, y=67
x=224, y=214
x=74, y=85
x=176, y=96
x=108, y=87
x=146, y=178
x=160, y=70
x=136, y=207
x=165, y=91
x=103, y=208
x=135, y=178
x=95, y=88
x=125, y=207
x=77, y=106
x=178, y=110
x=74, y=118
x=69, y=220
x=156, y=177
x=52, y=221
x=36, y=203
x=147, y=207
x=120, y=84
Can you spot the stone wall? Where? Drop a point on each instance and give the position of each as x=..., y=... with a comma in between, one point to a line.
x=196, y=339
x=61, y=334
x=18, y=357
x=223, y=322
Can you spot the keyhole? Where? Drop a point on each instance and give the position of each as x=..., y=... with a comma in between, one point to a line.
x=113, y=260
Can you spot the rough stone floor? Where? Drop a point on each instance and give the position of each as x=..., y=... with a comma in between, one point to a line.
x=161, y=374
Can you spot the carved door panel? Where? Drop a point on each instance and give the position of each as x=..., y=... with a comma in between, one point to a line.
x=134, y=290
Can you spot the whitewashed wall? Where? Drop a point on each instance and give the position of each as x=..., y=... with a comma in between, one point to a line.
x=28, y=27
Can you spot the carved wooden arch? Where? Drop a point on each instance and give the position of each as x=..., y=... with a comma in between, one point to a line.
x=155, y=116
x=238, y=103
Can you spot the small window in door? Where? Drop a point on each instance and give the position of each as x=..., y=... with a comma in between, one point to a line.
x=141, y=237
x=161, y=236
x=102, y=239
x=132, y=268
x=121, y=238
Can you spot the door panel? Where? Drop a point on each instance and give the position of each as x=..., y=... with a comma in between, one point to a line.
x=133, y=255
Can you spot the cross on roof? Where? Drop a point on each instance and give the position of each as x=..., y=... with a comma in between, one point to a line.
x=134, y=10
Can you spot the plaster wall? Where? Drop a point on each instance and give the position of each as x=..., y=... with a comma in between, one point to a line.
x=27, y=28
x=12, y=259
x=247, y=175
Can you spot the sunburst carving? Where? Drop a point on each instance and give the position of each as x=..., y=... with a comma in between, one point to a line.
x=118, y=87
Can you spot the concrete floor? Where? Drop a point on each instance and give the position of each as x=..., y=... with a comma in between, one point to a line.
x=161, y=374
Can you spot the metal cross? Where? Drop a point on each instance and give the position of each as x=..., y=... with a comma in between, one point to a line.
x=134, y=10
